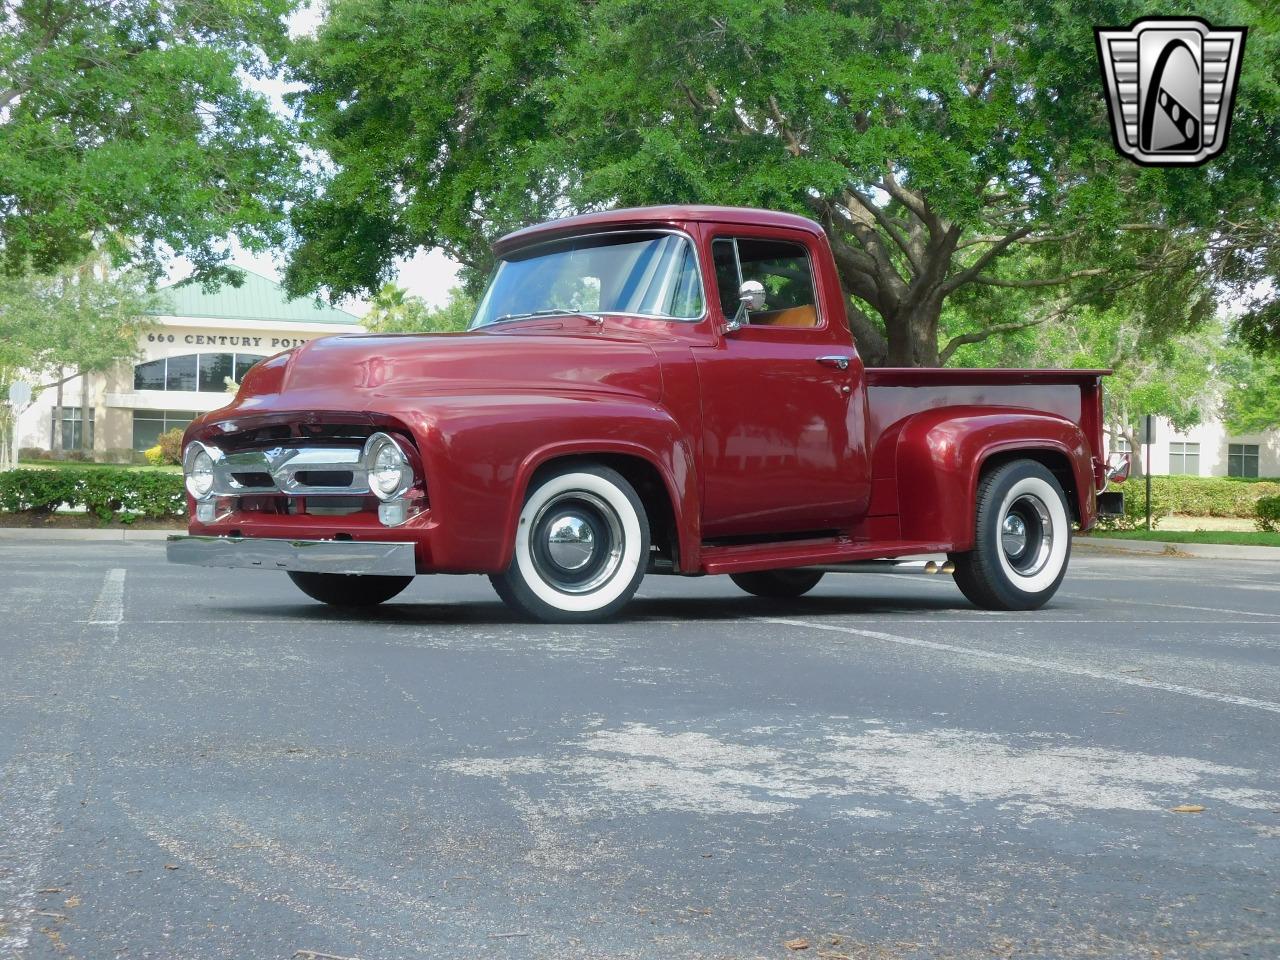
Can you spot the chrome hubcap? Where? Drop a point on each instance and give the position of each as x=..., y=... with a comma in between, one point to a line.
x=1026, y=535
x=570, y=542
x=576, y=542
x=1013, y=535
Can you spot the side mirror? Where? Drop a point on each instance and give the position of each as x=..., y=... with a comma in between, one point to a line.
x=751, y=296
x=1118, y=465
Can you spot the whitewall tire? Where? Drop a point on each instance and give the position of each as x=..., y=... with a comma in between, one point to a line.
x=581, y=547
x=1022, y=539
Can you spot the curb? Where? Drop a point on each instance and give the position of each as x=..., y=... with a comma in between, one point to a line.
x=106, y=534
x=1159, y=548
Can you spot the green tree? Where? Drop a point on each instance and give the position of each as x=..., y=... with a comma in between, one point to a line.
x=134, y=119
x=1177, y=376
x=932, y=141
x=1251, y=399
x=395, y=310
x=78, y=322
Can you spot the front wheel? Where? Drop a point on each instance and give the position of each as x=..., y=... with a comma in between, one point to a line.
x=582, y=546
x=349, y=590
x=1022, y=539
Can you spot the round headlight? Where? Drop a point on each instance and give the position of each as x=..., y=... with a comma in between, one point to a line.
x=387, y=466
x=199, y=471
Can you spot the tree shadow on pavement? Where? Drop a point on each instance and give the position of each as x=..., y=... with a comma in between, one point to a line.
x=479, y=612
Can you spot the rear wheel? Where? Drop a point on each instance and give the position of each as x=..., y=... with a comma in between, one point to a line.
x=778, y=584
x=582, y=546
x=1022, y=539
x=349, y=590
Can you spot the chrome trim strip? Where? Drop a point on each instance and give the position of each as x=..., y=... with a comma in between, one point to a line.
x=362, y=557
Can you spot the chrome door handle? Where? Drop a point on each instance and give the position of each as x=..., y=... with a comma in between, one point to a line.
x=839, y=362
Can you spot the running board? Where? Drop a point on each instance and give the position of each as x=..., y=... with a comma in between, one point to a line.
x=890, y=566
x=746, y=558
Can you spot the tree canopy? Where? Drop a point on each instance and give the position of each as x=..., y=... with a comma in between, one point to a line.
x=132, y=124
x=83, y=319
x=1173, y=376
x=1251, y=398
x=395, y=310
x=944, y=147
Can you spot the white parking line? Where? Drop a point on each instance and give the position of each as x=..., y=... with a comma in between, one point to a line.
x=108, y=609
x=1128, y=601
x=1051, y=665
x=1000, y=618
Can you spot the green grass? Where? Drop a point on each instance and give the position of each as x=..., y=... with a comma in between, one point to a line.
x=1242, y=538
x=84, y=465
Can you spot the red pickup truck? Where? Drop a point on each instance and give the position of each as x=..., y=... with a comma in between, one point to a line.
x=660, y=390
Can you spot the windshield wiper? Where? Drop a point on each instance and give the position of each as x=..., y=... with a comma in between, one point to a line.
x=548, y=312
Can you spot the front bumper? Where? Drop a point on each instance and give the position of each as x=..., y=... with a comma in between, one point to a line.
x=305, y=556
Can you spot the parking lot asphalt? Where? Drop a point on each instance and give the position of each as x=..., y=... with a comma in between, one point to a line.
x=205, y=764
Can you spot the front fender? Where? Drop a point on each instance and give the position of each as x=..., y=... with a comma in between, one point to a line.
x=939, y=457
x=481, y=451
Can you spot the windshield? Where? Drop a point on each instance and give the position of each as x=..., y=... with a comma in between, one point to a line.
x=649, y=274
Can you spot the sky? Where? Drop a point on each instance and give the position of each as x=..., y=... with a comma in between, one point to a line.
x=428, y=274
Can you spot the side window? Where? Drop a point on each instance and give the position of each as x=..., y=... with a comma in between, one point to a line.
x=728, y=279
x=783, y=269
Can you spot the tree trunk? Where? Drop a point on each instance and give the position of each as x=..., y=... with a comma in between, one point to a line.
x=913, y=335
x=1137, y=468
x=55, y=441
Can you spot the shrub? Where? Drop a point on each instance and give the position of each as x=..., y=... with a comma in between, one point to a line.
x=39, y=491
x=1269, y=514
x=33, y=453
x=109, y=493
x=1191, y=496
x=133, y=493
x=1214, y=496
x=170, y=444
x=154, y=455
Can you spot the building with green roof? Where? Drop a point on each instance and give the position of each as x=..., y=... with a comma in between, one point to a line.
x=256, y=299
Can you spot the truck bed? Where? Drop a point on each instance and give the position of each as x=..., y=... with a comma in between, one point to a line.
x=894, y=393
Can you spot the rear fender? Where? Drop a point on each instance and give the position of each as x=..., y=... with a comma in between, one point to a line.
x=940, y=456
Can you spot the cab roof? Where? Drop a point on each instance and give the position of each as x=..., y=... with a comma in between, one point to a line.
x=673, y=215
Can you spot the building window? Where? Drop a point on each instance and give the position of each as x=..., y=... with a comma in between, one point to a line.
x=244, y=362
x=72, y=428
x=202, y=372
x=1242, y=460
x=1184, y=458
x=149, y=424
x=1120, y=445
x=215, y=370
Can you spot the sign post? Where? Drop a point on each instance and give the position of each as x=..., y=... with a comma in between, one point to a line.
x=1148, y=438
x=19, y=397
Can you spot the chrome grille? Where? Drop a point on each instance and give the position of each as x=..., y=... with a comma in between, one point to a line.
x=299, y=471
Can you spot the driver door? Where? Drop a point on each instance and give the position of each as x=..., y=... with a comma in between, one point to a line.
x=782, y=443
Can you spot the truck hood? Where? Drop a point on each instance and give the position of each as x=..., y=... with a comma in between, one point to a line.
x=357, y=371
